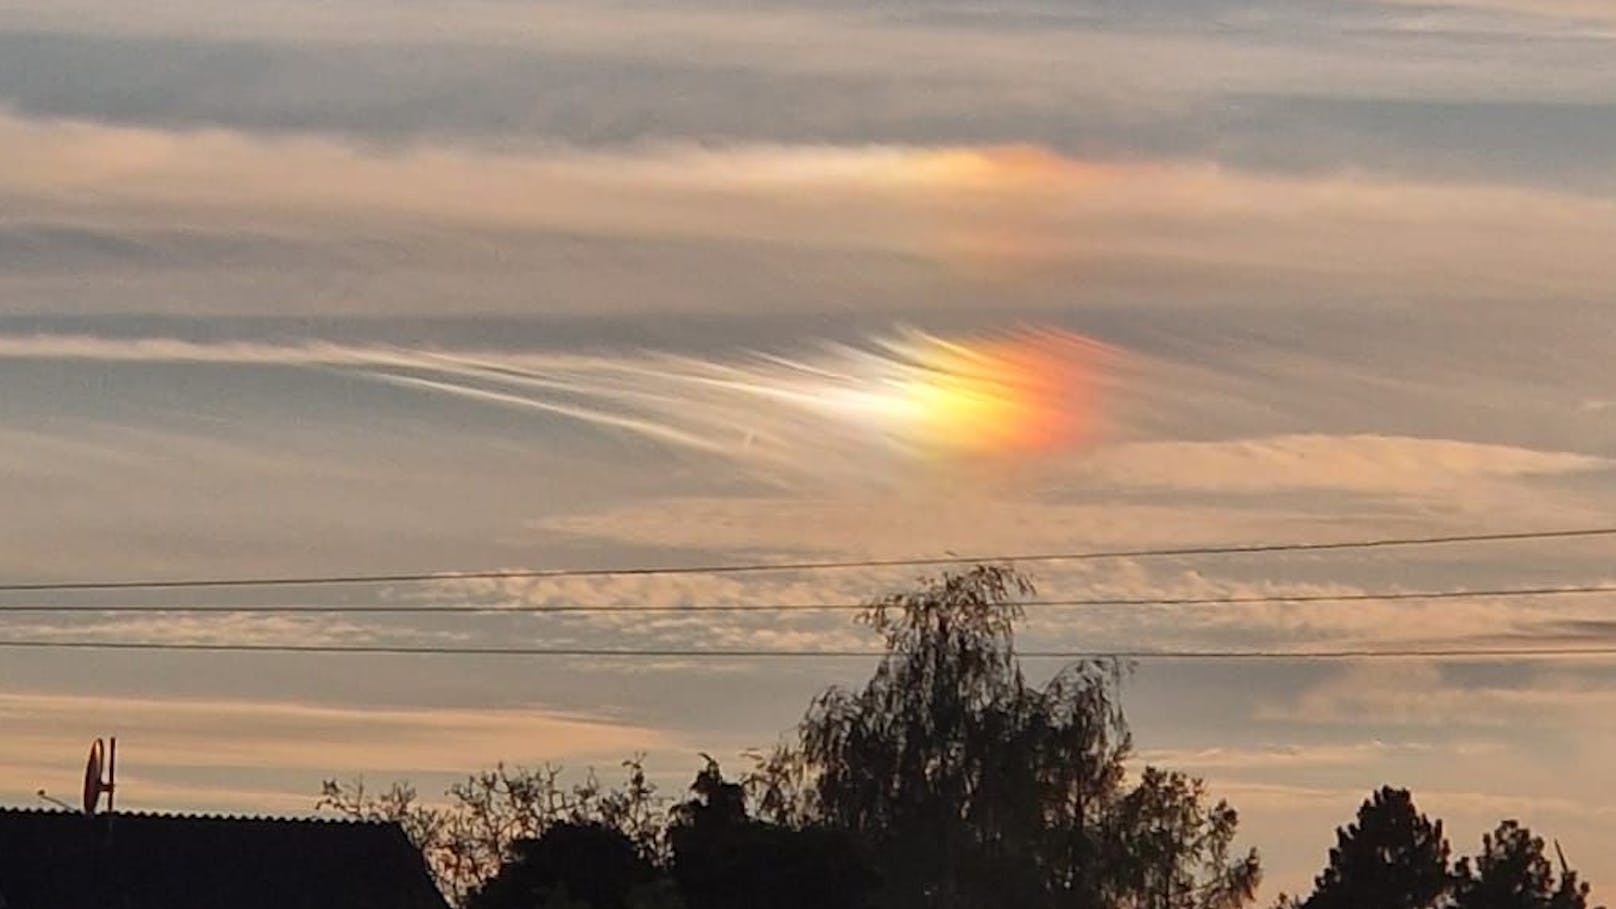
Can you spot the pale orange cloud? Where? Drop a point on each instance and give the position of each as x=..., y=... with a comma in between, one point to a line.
x=959, y=206
x=46, y=735
x=1365, y=463
x=1598, y=11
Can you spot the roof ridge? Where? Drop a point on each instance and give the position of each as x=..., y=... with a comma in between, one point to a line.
x=311, y=819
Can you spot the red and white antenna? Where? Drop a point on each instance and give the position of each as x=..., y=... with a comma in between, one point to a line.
x=101, y=758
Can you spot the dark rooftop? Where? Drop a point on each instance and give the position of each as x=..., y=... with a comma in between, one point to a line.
x=66, y=860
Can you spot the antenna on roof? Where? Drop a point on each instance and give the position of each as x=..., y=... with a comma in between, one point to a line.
x=100, y=758
x=47, y=797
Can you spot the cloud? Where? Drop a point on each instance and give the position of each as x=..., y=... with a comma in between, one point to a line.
x=822, y=410
x=171, y=350
x=987, y=211
x=1417, y=694
x=854, y=412
x=233, y=743
x=1134, y=59
x=1267, y=620
x=1588, y=12
x=198, y=628
x=266, y=733
x=1100, y=507
x=1472, y=751
x=1475, y=807
x=1274, y=758
x=779, y=193
x=1293, y=823
x=966, y=524
x=1361, y=463
x=1103, y=87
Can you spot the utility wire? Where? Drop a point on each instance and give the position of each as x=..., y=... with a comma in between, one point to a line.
x=676, y=653
x=753, y=568
x=529, y=609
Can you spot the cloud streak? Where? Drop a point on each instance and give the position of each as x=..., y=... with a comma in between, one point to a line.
x=234, y=739
x=1586, y=12
x=1128, y=63
x=837, y=409
x=1364, y=463
x=1006, y=212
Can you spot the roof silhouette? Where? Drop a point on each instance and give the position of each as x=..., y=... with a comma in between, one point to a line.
x=66, y=860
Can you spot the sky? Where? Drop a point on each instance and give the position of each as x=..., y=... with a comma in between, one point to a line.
x=292, y=287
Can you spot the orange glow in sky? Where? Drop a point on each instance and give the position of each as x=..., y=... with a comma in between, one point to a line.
x=837, y=408
x=995, y=166
x=1029, y=391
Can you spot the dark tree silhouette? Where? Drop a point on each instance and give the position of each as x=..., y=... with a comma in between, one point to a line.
x=1511, y=872
x=1166, y=849
x=945, y=782
x=588, y=866
x=1392, y=857
x=975, y=789
x=724, y=859
x=468, y=840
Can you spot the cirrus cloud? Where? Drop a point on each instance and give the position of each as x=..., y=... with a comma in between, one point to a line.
x=988, y=212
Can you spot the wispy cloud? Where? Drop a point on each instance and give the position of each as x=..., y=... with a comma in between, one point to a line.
x=1357, y=462
x=966, y=524
x=1129, y=63
x=1421, y=695
x=199, y=628
x=1588, y=12
x=1000, y=518
x=269, y=734
x=1476, y=807
x=1276, y=757
x=1021, y=210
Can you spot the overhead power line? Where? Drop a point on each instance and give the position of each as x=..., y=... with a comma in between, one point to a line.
x=681, y=653
x=831, y=565
x=531, y=609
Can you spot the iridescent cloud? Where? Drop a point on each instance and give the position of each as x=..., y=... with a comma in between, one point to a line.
x=906, y=397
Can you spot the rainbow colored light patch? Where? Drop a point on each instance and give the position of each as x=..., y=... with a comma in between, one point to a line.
x=856, y=409
x=1027, y=392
